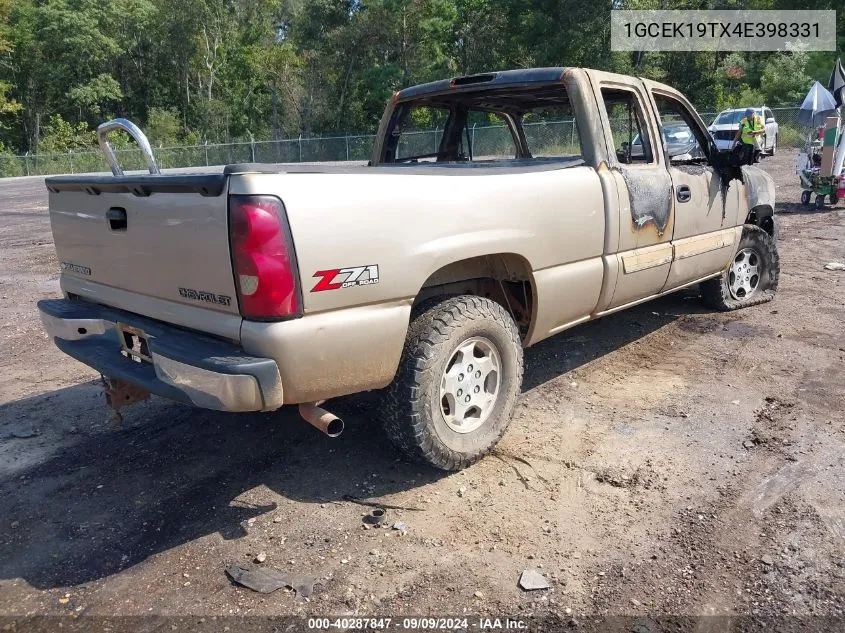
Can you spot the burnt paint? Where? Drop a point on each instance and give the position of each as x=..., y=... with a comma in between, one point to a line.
x=759, y=186
x=719, y=185
x=650, y=196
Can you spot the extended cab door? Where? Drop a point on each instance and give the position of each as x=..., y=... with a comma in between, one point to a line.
x=707, y=206
x=645, y=209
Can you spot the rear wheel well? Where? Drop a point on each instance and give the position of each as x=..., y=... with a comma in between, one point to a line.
x=505, y=278
x=763, y=216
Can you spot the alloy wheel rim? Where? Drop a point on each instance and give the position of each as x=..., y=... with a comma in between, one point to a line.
x=470, y=385
x=744, y=274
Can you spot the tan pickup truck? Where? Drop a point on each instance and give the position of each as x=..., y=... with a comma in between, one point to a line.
x=497, y=210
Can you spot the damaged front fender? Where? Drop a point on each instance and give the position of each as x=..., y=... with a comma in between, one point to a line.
x=759, y=188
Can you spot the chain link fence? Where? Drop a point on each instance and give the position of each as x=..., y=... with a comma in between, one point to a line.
x=547, y=138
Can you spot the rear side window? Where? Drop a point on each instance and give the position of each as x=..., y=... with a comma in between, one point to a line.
x=628, y=126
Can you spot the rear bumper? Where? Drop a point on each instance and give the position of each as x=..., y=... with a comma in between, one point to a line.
x=186, y=366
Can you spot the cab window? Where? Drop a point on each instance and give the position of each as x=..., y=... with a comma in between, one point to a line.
x=683, y=139
x=489, y=135
x=628, y=126
x=551, y=131
x=418, y=133
x=502, y=126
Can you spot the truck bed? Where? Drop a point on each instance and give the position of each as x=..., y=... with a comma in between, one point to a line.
x=479, y=167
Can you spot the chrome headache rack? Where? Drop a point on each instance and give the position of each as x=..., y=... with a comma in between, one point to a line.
x=135, y=132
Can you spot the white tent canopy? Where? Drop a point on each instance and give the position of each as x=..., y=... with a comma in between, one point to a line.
x=817, y=106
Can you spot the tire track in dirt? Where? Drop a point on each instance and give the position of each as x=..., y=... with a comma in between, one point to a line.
x=784, y=565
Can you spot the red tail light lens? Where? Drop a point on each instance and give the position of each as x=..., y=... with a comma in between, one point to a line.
x=263, y=258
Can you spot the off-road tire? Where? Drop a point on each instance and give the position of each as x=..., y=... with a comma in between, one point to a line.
x=716, y=292
x=410, y=408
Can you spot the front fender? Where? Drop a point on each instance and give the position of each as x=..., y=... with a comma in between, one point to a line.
x=759, y=188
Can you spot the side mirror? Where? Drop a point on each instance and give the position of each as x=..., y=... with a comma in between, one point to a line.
x=771, y=119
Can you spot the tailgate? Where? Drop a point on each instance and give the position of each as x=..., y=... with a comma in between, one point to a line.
x=154, y=245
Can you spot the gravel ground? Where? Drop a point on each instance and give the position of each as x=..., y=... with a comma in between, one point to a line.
x=663, y=461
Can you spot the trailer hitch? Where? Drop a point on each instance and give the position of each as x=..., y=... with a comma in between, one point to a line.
x=120, y=393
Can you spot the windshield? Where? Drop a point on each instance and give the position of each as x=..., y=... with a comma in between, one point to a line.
x=731, y=117
x=677, y=134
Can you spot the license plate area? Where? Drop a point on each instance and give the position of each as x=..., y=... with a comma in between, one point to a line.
x=134, y=344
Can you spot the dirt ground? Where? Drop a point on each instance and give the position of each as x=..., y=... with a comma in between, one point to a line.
x=667, y=460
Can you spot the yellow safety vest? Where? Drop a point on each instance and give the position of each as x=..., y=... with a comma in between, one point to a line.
x=754, y=125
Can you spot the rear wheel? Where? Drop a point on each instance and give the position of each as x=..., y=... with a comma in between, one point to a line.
x=819, y=201
x=457, y=383
x=752, y=276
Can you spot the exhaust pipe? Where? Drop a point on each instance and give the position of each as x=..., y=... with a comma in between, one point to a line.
x=321, y=419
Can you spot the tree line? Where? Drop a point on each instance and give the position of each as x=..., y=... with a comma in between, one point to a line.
x=190, y=71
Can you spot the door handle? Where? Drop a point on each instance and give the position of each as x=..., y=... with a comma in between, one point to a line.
x=683, y=193
x=117, y=218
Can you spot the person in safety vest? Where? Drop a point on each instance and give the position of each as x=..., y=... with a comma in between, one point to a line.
x=745, y=142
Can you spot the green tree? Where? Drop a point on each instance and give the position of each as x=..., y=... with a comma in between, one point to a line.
x=91, y=96
x=8, y=105
x=785, y=80
x=60, y=136
x=163, y=126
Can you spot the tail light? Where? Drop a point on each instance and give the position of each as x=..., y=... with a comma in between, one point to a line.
x=263, y=258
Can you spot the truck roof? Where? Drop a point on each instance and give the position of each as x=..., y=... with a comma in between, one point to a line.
x=496, y=79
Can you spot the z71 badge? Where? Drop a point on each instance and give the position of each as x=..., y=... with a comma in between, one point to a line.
x=346, y=277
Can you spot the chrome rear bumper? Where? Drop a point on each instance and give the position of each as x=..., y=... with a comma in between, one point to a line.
x=184, y=366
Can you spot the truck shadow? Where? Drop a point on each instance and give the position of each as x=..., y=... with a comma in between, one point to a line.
x=82, y=499
x=796, y=208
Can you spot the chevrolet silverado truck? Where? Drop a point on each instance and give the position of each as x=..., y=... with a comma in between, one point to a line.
x=497, y=210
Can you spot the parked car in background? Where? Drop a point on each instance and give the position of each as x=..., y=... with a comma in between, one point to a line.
x=679, y=141
x=725, y=125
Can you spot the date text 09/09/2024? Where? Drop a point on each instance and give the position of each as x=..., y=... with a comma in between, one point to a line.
x=418, y=624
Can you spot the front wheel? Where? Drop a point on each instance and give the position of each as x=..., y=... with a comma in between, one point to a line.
x=819, y=202
x=752, y=276
x=805, y=197
x=457, y=383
